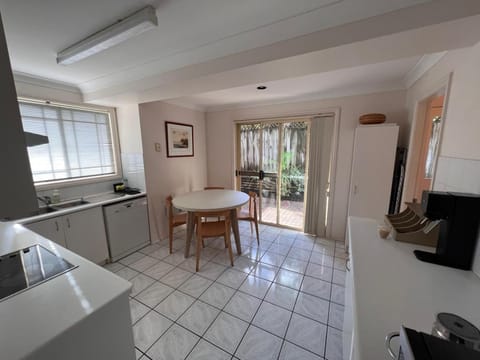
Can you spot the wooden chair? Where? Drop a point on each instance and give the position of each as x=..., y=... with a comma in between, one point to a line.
x=213, y=229
x=174, y=219
x=213, y=188
x=251, y=214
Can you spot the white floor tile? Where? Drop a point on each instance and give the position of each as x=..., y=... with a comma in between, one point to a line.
x=307, y=333
x=258, y=344
x=316, y=287
x=139, y=283
x=154, y=294
x=255, y=286
x=335, y=317
x=272, y=258
x=312, y=307
x=289, y=278
x=176, y=277
x=211, y=270
x=299, y=254
x=338, y=277
x=232, y=278
x=131, y=258
x=243, y=306
x=206, y=351
x=295, y=265
x=293, y=352
x=272, y=318
x=226, y=332
x=137, y=310
x=175, y=305
x=159, y=270
x=144, y=263
x=338, y=294
x=321, y=259
x=114, y=267
x=217, y=295
x=198, y=317
x=319, y=272
x=175, y=344
x=265, y=271
x=148, y=329
x=282, y=296
x=127, y=273
x=334, y=350
x=195, y=285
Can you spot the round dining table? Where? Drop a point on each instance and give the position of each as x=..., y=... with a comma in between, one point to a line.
x=211, y=200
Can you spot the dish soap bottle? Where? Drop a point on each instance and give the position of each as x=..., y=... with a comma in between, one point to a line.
x=55, y=196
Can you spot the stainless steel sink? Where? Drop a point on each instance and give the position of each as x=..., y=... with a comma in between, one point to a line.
x=44, y=210
x=70, y=204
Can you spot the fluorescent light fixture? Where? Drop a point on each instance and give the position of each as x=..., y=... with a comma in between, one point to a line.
x=133, y=25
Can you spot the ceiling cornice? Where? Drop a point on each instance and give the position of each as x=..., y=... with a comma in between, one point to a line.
x=421, y=67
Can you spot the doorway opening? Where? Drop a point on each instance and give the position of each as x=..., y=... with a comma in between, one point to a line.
x=425, y=142
x=272, y=161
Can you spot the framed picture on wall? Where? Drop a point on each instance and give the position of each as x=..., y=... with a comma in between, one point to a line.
x=179, y=139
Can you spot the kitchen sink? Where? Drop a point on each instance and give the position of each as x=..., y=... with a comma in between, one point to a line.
x=44, y=210
x=69, y=204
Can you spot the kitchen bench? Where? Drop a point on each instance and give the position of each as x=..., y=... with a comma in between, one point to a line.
x=387, y=287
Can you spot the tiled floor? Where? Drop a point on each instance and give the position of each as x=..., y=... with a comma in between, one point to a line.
x=281, y=300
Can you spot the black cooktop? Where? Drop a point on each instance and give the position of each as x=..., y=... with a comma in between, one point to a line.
x=23, y=269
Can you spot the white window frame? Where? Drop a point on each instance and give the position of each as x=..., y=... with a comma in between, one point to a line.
x=115, y=143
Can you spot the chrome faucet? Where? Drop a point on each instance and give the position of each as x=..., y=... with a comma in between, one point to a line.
x=47, y=200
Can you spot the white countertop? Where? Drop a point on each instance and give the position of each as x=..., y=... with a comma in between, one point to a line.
x=210, y=200
x=392, y=287
x=32, y=318
x=93, y=201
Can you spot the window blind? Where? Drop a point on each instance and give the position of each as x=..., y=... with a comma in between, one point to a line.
x=80, y=142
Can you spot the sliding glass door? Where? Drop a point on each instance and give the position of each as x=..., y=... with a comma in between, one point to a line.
x=272, y=162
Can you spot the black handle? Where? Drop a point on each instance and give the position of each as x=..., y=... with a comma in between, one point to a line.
x=261, y=175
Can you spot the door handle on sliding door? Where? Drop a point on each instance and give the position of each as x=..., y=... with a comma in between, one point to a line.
x=261, y=175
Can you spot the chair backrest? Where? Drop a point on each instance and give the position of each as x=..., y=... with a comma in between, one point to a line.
x=213, y=188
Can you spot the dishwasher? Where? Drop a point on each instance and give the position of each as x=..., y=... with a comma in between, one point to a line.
x=127, y=227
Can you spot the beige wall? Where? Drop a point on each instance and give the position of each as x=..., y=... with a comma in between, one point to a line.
x=164, y=175
x=221, y=147
x=458, y=167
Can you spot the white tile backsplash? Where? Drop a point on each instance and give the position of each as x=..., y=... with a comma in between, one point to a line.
x=133, y=169
x=459, y=175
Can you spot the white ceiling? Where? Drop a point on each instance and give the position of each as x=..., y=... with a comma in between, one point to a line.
x=194, y=36
x=370, y=78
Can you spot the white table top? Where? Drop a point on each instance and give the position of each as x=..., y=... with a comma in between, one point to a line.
x=393, y=288
x=210, y=200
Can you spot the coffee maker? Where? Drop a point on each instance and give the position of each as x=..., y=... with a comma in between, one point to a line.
x=460, y=218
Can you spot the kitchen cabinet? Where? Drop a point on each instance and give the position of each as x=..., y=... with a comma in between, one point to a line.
x=82, y=232
x=52, y=229
x=372, y=170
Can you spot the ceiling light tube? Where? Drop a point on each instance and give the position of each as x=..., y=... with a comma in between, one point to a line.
x=133, y=25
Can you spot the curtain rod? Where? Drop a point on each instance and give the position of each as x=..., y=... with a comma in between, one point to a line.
x=290, y=117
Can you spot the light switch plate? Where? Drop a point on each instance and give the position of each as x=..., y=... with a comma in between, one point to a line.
x=158, y=148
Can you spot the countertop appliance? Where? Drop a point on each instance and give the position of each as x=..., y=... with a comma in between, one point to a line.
x=127, y=227
x=454, y=328
x=416, y=345
x=28, y=267
x=458, y=228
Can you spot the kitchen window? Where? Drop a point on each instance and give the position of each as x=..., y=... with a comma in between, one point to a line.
x=81, y=142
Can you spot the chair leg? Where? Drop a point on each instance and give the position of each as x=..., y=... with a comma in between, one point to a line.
x=256, y=230
x=170, y=238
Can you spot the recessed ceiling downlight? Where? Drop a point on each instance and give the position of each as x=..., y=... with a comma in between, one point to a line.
x=261, y=87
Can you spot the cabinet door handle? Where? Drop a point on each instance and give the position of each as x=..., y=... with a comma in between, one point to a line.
x=56, y=225
x=68, y=222
x=347, y=260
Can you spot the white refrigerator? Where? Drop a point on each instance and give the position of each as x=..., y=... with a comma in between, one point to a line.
x=372, y=170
